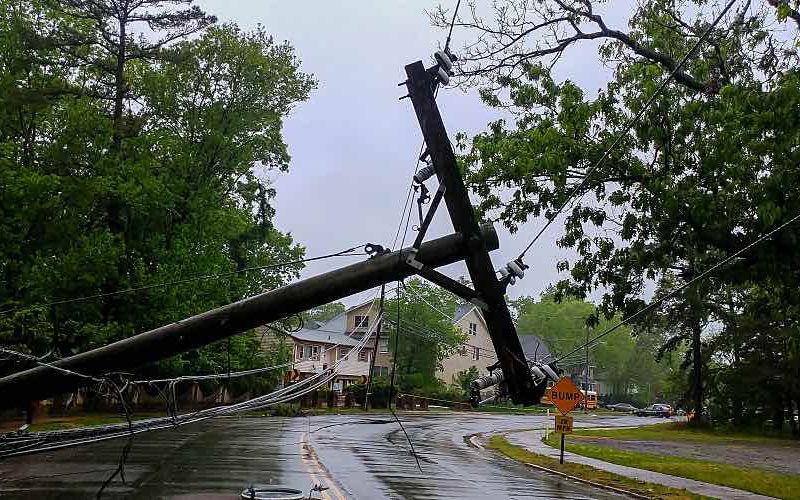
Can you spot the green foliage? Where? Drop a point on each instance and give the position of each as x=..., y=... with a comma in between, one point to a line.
x=463, y=381
x=624, y=361
x=182, y=194
x=379, y=392
x=421, y=385
x=322, y=313
x=709, y=168
x=427, y=335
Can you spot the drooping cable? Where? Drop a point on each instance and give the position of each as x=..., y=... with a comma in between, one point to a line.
x=392, y=382
x=344, y=253
x=13, y=444
x=678, y=290
x=452, y=23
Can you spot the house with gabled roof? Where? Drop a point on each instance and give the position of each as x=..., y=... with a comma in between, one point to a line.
x=477, y=351
x=319, y=344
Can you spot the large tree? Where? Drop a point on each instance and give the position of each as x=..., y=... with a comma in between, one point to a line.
x=626, y=362
x=710, y=167
x=185, y=195
x=426, y=335
x=113, y=43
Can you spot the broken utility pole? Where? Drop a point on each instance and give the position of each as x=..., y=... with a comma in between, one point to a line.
x=489, y=293
x=42, y=381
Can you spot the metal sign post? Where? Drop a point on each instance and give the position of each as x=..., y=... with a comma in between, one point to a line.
x=566, y=396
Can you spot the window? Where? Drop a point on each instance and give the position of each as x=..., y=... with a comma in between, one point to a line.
x=473, y=328
x=380, y=371
x=361, y=321
x=476, y=353
x=342, y=352
x=308, y=352
x=463, y=351
x=383, y=345
x=363, y=356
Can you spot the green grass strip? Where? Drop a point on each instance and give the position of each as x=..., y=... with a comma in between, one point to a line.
x=501, y=444
x=744, y=478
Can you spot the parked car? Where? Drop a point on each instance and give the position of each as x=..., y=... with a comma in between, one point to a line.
x=656, y=410
x=623, y=407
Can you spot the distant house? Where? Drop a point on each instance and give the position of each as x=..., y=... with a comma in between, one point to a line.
x=319, y=345
x=316, y=350
x=477, y=351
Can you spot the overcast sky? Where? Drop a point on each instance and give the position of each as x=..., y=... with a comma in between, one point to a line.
x=353, y=144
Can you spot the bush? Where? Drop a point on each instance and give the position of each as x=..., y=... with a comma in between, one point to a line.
x=380, y=392
x=434, y=389
x=286, y=410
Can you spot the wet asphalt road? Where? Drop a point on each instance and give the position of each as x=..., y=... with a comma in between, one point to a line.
x=356, y=456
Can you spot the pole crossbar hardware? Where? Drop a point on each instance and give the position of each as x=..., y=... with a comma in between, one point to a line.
x=45, y=381
x=452, y=286
x=425, y=224
x=518, y=381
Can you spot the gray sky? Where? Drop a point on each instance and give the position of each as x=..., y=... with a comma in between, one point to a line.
x=353, y=144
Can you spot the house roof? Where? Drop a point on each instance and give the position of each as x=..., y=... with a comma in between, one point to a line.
x=324, y=337
x=336, y=324
x=534, y=348
x=462, y=311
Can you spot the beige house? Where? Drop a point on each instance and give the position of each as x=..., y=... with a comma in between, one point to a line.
x=317, y=350
x=477, y=351
x=317, y=347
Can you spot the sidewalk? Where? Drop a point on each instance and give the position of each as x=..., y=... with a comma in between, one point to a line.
x=532, y=441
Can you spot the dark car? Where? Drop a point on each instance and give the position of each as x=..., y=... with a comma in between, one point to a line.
x=623, y=407
x=656, y=410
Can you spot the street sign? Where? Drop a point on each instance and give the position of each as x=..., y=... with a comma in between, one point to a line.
x=565, y=395
x=563, y=424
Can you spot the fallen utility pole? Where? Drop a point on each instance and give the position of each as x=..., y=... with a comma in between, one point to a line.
x=519, y=383
x=42, y=381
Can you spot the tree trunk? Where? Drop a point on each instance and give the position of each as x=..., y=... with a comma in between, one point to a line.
x=119, y=84
x=697, y=371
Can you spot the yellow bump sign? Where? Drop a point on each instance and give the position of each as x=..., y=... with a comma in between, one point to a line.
x=563, y=424
x=565, y=395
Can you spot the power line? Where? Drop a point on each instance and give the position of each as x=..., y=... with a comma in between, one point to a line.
x=678, y=290
x=33, y=442
x=629, y=125
x=34, y=359
x=408, y=198
x=452, y=23
x=344, y=253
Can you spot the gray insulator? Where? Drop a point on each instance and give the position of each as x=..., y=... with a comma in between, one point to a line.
x=424, y=174
x=538, y=375
x=550, y=372
x=443, y=76
x=443, y=59
x=485, y=381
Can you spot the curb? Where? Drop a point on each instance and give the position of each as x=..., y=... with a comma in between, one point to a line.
x=471, y=440
x=586, y=481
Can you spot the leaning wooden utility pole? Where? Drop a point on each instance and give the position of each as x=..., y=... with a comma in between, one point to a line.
x=124, y=355
x=489, y=293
